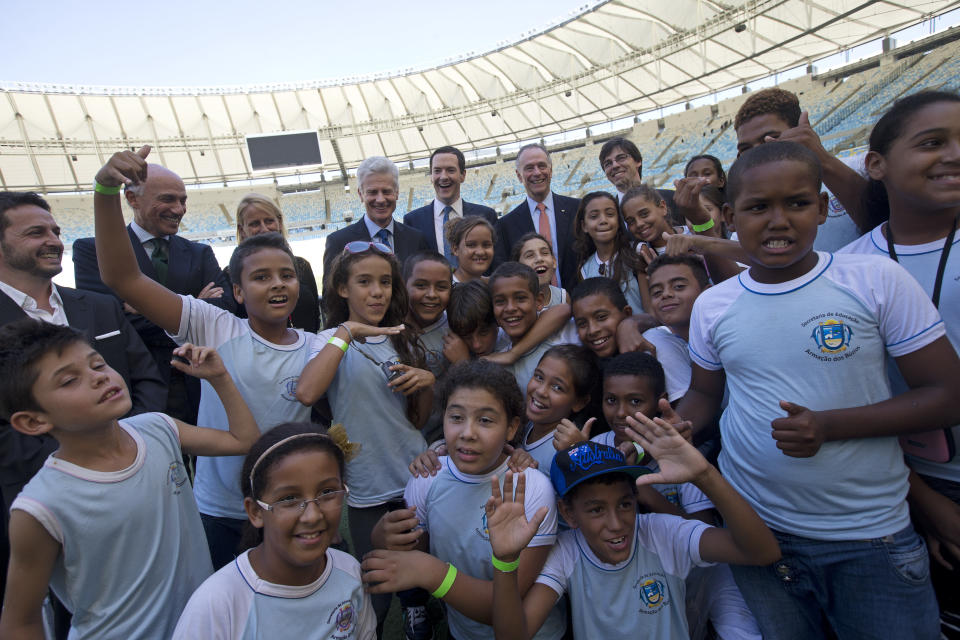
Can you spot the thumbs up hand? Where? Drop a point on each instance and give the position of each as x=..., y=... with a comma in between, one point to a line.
x=567, y=434
x=803, y=134
x=800, y=433
x=125, y=168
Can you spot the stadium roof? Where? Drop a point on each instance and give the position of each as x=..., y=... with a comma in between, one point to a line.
x=615, y=59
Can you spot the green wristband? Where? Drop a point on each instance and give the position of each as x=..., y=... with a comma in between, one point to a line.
x=447, y=582
x=105, y=190
x=338, y=342
x=504, y=567
x=706, y=226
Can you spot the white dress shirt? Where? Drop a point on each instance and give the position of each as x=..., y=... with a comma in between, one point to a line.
x=29, y=305
x=438, y=208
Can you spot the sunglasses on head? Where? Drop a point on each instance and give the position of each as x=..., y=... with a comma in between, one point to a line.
x=359, y=246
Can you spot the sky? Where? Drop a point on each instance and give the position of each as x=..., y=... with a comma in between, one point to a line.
x=205, y=43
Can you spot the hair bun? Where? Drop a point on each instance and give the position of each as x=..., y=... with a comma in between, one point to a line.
x=339, y=436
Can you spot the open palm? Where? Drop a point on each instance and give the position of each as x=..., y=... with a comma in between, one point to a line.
x=678, y=459
x=510, y=531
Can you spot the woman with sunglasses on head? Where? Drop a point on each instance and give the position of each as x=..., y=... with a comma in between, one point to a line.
x=258, y=214
x=372, y=369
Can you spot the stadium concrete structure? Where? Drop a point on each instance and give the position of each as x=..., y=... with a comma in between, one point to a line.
x=668, y=75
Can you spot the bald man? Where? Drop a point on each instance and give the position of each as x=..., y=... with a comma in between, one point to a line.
x=183, y=266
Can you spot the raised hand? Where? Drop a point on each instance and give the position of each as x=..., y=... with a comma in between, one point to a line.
x=359, y=331
x=567, y=434
x=686, y=198
x=799, y=434
x=125, y=167
x=803, y=134
x=200, y=362
x=510, y=531
x=678, y=459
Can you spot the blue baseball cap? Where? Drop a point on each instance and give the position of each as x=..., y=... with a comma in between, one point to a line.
x=588, y=460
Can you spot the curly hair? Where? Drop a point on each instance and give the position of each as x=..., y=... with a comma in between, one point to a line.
x=776, y=101
x=483, y=374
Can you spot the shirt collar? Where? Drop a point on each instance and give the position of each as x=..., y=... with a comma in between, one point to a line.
x=142, y=234
x=26, y=302
x=373, y=228
x=547, y=201
x=438, y=207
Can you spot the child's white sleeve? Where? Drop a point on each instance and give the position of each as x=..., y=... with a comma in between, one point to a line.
x=559, y=566
x=908, y=319
x=203, y=324
x=367, y=627
x=218, y=609
x=415, y=495
x=692, y=499
x=539, y=493
x=320, y=341
x=673, y=355
x=675, y=540
x=702, y=349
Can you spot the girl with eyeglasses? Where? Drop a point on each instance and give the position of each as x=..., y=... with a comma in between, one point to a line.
x=288, y=582
x=603, y=248
x=372, y=369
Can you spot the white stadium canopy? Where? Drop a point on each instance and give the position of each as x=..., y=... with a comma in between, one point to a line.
x=613, y=60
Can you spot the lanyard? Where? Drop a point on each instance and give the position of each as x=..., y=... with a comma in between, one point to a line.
x=941, y=268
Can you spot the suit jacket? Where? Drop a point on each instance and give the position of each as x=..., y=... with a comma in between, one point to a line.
x=511, y=227
x=406, y=242
x=422, y=220
x=21, y=456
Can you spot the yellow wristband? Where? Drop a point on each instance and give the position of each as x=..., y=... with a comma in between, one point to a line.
x=338, y=342
x=105, y=190
x=504, y=567
x=706, y=226
x=447, y=582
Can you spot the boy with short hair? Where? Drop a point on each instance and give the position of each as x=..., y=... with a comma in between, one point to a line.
x=517, y=302
x=599, y=307
x=110, y=521
x=774, y=114
x=807, y=334
x=473, y=327
x=675, y=283
x=638, y=562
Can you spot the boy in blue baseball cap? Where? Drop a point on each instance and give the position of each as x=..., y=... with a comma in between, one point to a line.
x=637, y=561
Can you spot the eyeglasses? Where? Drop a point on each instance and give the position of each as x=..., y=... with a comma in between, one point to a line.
x=327, y=498
x=359, y=246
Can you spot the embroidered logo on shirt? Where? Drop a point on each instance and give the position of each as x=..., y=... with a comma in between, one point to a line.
x=176, y=476
x=288, y=388
x=342, y=618
x=832, y=337
x=653, y=593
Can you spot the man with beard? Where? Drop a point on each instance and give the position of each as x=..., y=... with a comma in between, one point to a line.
x=30, y=255
x=183, y=266
x=447, y=173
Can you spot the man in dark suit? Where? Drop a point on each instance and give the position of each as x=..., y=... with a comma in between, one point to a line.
x=30, y=254
x=183, y=266
x=379, y=183
x=549, y=214
x=447, y=172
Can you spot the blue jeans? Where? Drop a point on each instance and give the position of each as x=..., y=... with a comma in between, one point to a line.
x=864, y=588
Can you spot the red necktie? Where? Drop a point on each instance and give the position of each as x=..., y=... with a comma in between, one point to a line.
x=545, y=232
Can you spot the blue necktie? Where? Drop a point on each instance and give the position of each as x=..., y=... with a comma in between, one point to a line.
x=446, y=244
x=383, y=236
